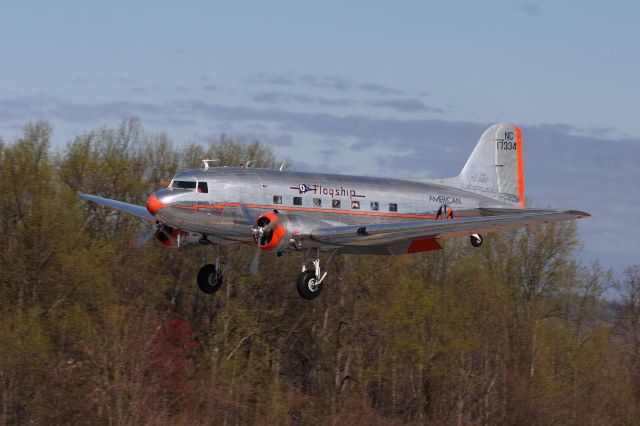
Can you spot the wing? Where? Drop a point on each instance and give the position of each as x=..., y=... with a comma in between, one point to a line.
x=138, y=211
x=400, y=235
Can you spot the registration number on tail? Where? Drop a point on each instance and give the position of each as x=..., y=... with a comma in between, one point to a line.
x=507, y=145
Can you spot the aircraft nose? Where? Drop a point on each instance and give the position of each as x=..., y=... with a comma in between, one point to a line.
x=154, y=204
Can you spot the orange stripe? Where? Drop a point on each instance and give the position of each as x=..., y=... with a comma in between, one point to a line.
x=520, y=166
x=219, y=206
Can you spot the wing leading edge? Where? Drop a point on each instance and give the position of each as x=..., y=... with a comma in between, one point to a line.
x=393, y=233
x=132, y=209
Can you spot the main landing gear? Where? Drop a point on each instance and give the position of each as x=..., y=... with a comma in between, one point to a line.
x=476, y=240
x=210, y=275
x=209, y=278
x=309, y=284
x=311, y=281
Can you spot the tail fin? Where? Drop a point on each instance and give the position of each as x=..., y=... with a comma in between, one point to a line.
x=495, y=166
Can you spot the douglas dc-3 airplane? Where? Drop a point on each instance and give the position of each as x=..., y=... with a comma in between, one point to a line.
x=283, y=211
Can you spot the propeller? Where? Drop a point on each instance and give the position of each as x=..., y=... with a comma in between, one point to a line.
x=263, y=230
x=160, y=231
x=262, y=233
x=255, y=261
x=258, y=233
x=144, y=238
x=163, y=233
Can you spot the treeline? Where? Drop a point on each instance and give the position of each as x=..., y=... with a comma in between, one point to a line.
x=96, y=331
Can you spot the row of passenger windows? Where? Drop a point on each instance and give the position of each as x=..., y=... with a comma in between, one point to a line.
x=336, y=204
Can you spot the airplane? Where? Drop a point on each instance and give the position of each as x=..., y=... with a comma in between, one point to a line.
x=286, y=211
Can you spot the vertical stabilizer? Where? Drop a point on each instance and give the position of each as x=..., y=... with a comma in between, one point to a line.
x=495, y=167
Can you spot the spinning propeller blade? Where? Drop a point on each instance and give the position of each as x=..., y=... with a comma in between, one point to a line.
x=255, y=261
x=247, y=214
x=144, y=238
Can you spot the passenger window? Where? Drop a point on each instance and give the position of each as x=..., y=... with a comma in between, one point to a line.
x=203, y=187
x=277, y=199
x=297, y=201
x=317, y=202
x=355, y=204
x=375, y=205
x=335, y=204
x=393, y=207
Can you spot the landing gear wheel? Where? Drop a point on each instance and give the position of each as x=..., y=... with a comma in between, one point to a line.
x=476, y=240
x=209, y=279
x=308, y=286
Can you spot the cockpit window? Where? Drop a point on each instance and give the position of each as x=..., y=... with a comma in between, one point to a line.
x=203, y=187
x=183, y=184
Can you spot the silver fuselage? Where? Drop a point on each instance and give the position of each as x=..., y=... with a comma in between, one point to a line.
x=307, y=200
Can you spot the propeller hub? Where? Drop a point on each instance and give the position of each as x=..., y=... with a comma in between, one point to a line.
x=269, y=231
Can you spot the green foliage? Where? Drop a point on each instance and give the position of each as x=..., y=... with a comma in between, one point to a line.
x=93, y=330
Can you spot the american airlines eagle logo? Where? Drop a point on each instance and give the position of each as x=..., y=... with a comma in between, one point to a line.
x=304, y=188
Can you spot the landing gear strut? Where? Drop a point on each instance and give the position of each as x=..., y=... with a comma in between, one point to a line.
x=476, y=240
x=210, y=275
x=311, y=281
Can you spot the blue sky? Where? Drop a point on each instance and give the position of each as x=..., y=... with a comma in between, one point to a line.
x=378, y=88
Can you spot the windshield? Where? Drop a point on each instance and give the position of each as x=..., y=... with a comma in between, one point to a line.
x=183, y=184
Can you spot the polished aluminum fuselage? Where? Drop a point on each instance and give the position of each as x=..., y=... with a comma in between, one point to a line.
x=236, y=195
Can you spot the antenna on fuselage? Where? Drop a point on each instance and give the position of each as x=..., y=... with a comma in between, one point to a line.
x=206, y=163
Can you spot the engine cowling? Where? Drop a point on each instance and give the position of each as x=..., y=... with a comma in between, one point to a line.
x=271, y=232
x=169, y=237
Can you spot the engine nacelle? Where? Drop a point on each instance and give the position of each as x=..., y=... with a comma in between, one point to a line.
x=272, y=232
x=167, y=236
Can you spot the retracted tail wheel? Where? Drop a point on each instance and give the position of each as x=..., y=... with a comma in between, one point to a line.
x=308, y=286
x=476, y=240
x=209, y=279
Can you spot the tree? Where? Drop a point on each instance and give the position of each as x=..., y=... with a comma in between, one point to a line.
x=93, y=330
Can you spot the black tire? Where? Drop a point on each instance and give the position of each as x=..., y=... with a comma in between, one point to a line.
x=306, y=285
x=476, y=241
x=209, y=279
